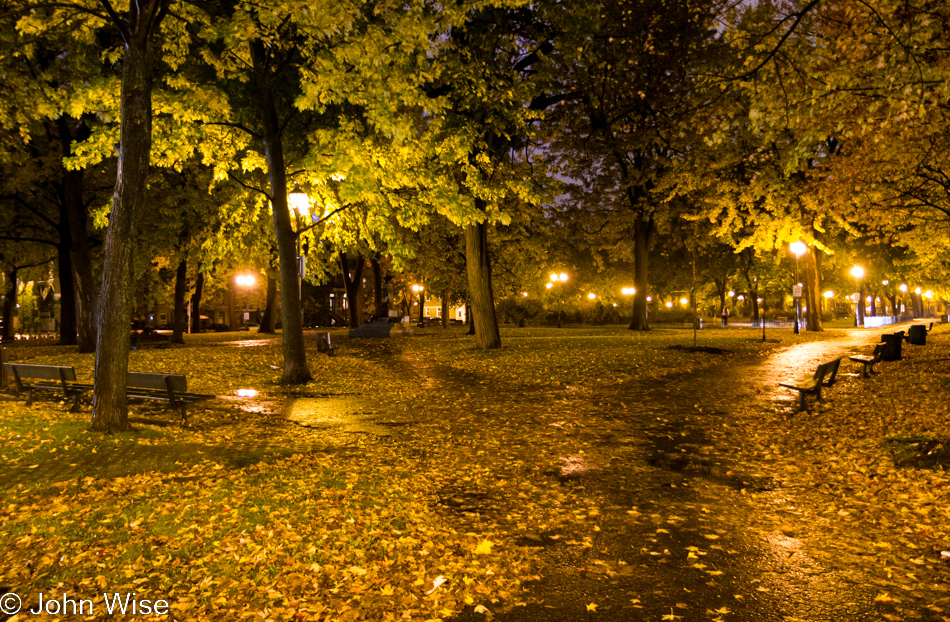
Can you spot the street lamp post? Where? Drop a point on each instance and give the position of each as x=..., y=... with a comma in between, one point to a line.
x=858, y=273
x=245, y=282
x=557, y=278
x=798, y=249
x=299, y=201
x=418, y=290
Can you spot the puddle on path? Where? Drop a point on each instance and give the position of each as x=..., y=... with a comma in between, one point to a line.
x=348, y=414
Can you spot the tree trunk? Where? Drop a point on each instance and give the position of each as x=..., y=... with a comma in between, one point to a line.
x=232, y=319
x=642, y=232
x=812, y=293
x=196, y=302
x=422, y=306
x=110, y=410
x=267, y=319
x=9, y=302
x=84, y=285
x=445, y=308
x=478, y=266
x=352, y=286
x=469, y=319
x=67, y=292
x=181, y=285
x=859, y=307
x=380, y=295
x=295, y=355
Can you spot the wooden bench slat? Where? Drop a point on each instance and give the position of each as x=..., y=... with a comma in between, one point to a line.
x=149, y=380
x=44, y=372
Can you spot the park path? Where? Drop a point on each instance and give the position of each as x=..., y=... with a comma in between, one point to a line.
x=688, y=530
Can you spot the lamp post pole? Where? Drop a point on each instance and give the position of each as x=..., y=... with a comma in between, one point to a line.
x=299, y=202
x=858, y=273
x=558, y=278
x=798, y=249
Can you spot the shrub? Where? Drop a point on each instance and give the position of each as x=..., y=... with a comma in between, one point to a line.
x=518, y=310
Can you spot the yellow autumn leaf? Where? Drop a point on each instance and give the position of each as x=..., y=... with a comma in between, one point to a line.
x=484, y=548
x=592, y=607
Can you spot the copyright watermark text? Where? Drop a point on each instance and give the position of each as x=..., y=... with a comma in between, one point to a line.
x=115, y=603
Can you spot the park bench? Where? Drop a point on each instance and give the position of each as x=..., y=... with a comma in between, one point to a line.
x=139, y=340
x=48, y=378
x=869, y=361
x=931, y=327
x=812, y=385
x=161, y=387
x=324, y=344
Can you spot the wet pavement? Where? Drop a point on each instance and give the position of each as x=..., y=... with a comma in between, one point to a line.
x=683, y=529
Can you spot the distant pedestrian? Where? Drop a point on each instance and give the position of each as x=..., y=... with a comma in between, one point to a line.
x=725, y=316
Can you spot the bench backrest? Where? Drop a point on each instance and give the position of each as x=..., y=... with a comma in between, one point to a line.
x=831, y=369
x=821, y=371
x=142, y=380
x=878, y=351
x=43, y=372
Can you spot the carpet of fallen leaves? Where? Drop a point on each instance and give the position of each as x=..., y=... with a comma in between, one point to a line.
x=411, y=479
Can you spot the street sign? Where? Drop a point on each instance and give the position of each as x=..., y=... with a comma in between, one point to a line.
x=796, y=291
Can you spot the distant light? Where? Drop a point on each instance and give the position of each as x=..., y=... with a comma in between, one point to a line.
x=928, y=294
x=829, y=294
x=798, y=248
x=649, y=298
x=592, y=295
x=549, y=285
x=903, y=287
x=885, y=282
x=615, y=304
x=563, y=277
x=740, y=298
x=525, y=294
x=247, y=392
x=917, y=291
x=669, y=305
x=758, y=300
x=417, y=288
x=628, y=291
x=868, y=299
x=857, y=272
x=553, y=276
x=245, y=280
x=684, y=301
x=731, y=293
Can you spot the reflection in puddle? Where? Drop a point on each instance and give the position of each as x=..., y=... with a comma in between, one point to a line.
x=575, y=465
x=316, y=411
x=249, y=342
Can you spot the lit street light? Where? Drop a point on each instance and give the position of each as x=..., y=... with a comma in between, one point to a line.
x=245, y=282
x=558, y=278
x=858, y=273
x=798, y=249
x=419, y=289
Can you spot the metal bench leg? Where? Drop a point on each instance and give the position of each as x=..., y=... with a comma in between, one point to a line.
x=75, y=407
x=801, y=401
x=184, y=415
x=29, y=397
